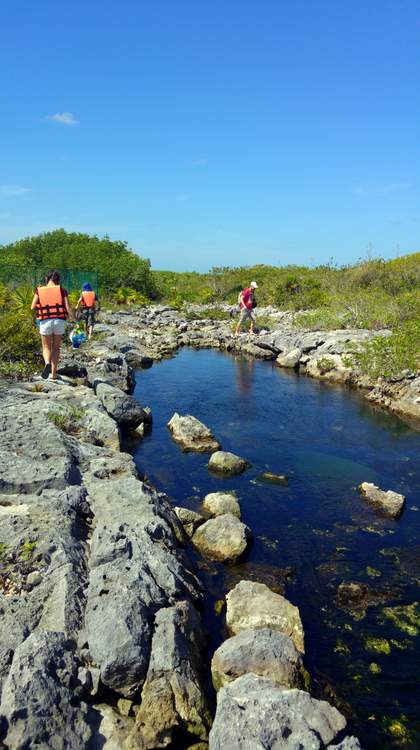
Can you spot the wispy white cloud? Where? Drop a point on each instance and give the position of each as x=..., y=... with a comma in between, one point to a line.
x=64, y=118
x=200, y=162
x=379, y=189
x=13, y=191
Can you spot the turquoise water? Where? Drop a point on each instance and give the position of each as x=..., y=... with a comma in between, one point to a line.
x=315, y=532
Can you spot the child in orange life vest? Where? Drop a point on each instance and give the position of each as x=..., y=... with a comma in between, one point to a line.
x=52, y=310
x=88, y=301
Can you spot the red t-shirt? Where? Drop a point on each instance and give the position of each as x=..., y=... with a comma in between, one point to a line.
x=247, y=298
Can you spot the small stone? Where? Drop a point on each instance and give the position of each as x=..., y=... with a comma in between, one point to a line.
x=289, y=359
x=192, y=434
x=220, y=503
x=390, y=503
x=253, y=605
x=224, y=538
x=224, y=462
x=34, y=579
x=269, y=476
x=124, y=706
x=190, y=519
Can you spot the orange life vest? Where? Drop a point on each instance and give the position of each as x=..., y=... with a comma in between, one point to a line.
x=88, y=299
x=51, y=304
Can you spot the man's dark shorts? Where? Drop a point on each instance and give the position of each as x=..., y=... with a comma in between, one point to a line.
x=89, y=317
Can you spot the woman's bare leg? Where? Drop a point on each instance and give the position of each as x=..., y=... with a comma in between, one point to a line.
x=56, y=343
x=47, y=345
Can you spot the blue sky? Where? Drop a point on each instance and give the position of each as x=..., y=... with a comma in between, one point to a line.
x=214, y=133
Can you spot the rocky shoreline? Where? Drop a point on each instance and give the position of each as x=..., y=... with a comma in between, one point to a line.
x=102, y=644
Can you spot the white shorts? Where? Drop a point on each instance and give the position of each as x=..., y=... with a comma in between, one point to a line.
x=55, y=326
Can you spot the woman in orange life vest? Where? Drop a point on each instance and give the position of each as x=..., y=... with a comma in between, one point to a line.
x=89, y=303
x=52, y=308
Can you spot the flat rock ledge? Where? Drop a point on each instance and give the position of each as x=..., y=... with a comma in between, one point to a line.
x=252, y=605
x=224, y=538
x=192, y=434
x=223, y=462
x=263, y=652
x=220, y=503
x=253, y=713
x=390, y=503
x=97, y=592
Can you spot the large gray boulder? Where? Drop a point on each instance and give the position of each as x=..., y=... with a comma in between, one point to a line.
x=255, y=714
x=219, y=503
x=253, y=605
x=173, y=695
x=224, y=462
x=390, y=503
x=224, y=538
x=136, y=568
x=192, y=434
x=40, y=696
x=125, y=409
x=263, y=652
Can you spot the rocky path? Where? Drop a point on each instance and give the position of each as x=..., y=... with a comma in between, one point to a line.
x=101, y=642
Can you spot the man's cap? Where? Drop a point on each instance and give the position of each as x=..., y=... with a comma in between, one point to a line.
x=87, y=287
x=254, y=284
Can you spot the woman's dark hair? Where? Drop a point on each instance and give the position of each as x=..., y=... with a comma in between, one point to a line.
x=52, y=276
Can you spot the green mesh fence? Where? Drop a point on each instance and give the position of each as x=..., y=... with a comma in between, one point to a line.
x=71, y=279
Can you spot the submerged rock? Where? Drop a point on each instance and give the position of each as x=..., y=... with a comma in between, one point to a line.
x=254, y=713
x=390, y=503
x=224, y=538
x=192, y=434
x=269, y=476
x=224, y=462
x=252, y=605
x=219, y=503
x=355, y=597
x=263, y=652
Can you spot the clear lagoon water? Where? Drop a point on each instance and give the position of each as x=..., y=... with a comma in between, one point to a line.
x=313, y=533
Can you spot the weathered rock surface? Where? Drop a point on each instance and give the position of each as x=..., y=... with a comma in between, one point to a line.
x=220, y=503
x=135, y=570
x=125, y=409
x=254, y=714
x=224, y=538
x=91, y=556
x=263, y=652
x=190, y=519
x=349, y=743
x=389, y=503
x=40, y=696
x=173, y=694
x=252, y=605
x=192, y=434
x=224, y=462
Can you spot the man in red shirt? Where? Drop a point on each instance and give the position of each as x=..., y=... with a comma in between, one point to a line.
x=247, y=304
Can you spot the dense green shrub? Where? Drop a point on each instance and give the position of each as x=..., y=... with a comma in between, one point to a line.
x=19, y=339
x=117, y=265
x=390, y=356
